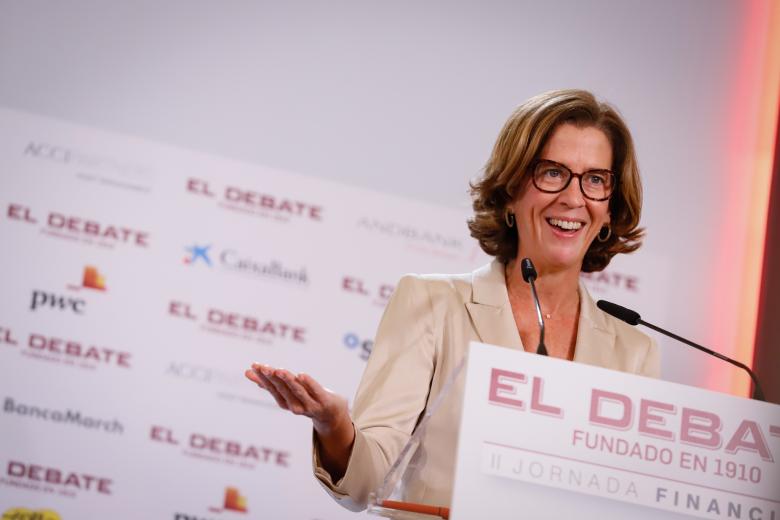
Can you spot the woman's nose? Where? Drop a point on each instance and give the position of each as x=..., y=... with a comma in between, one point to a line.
x=572, y=196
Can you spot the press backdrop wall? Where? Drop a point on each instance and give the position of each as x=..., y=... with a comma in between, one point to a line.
x=129, y=401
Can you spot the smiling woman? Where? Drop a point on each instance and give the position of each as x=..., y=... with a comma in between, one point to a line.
x=527, y=204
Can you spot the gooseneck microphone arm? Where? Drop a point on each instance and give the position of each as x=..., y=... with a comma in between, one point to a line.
x=529, y=275
x=633, y=318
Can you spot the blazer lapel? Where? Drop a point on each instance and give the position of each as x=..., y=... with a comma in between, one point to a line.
x=595, y=337
x=489, y=307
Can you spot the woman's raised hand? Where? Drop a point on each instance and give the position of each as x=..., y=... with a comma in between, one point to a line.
x=329, y=412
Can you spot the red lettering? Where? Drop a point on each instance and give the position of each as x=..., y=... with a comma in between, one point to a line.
x=500, y=387
x=597, y=414
x=748, y=437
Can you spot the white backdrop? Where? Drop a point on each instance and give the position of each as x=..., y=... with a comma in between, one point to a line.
x=203, y=265
x=405, y=102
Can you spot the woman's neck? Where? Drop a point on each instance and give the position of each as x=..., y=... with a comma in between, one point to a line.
x=558, y=289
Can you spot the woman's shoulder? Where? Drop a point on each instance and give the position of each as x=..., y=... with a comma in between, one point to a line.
x=634, y=350
x=439, y=285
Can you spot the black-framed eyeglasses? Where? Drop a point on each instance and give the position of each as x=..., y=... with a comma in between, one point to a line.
x=553, y=177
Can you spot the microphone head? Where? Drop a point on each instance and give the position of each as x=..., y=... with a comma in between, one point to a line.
x=528, y=270
x=618, y=311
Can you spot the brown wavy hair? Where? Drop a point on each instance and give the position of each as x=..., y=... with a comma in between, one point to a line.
x=519, y=144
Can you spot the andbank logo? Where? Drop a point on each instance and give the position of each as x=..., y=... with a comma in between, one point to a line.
x=198, y=252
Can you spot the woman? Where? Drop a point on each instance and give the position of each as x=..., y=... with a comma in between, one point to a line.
x=562, y=188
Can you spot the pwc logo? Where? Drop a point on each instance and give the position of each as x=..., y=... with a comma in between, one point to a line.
x=238, y=325
x=51, y=300
x=79, y=229
x=233, y=501
x=247, y=201
x=211, y=448
x=91, y=279
x=20, y=513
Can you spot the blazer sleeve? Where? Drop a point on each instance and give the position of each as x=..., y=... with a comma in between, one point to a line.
x=392, y=394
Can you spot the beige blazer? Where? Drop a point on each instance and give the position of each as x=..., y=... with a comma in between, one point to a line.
x=423, y=335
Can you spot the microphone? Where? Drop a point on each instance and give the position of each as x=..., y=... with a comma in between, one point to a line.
x=529, y=276
x=633, y=318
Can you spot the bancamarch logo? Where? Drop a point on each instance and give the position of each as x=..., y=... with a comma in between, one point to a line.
x=253, y=202
x=37, y=477
x=231, y=260
x=20, y=513
x=68, y=416
x=363, y=347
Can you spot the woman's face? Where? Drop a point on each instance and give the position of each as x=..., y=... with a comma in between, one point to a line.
x=556, y=229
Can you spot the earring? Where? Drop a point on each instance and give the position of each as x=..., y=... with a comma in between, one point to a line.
x=509, y=217
x=604, y=238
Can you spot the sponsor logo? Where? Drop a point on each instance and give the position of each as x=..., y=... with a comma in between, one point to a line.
x=251, y=202
x=242, y=326
x=198, y=253
x=230, y=260
x=51, y=300
x=361, y=346
x=604, y=281
x=211, y=448
x=418, y=239
x=91, y=279
x=66, y=351
x=66, y=416
x=67, y=155
x=233, y=501
x=51, y=479
x=7, y=338
x=20, y=513
x=225, y=382
x=80, y=229
x=378, y=293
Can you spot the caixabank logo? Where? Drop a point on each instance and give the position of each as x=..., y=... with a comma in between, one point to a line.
x=281, y=208
x=73, y=417
x=212, y=448
x=69, y=352
x=51, y=479
x=22, y=513
x=232, y=502
x=244, y=326
x=79, y=229
x=232, y=260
